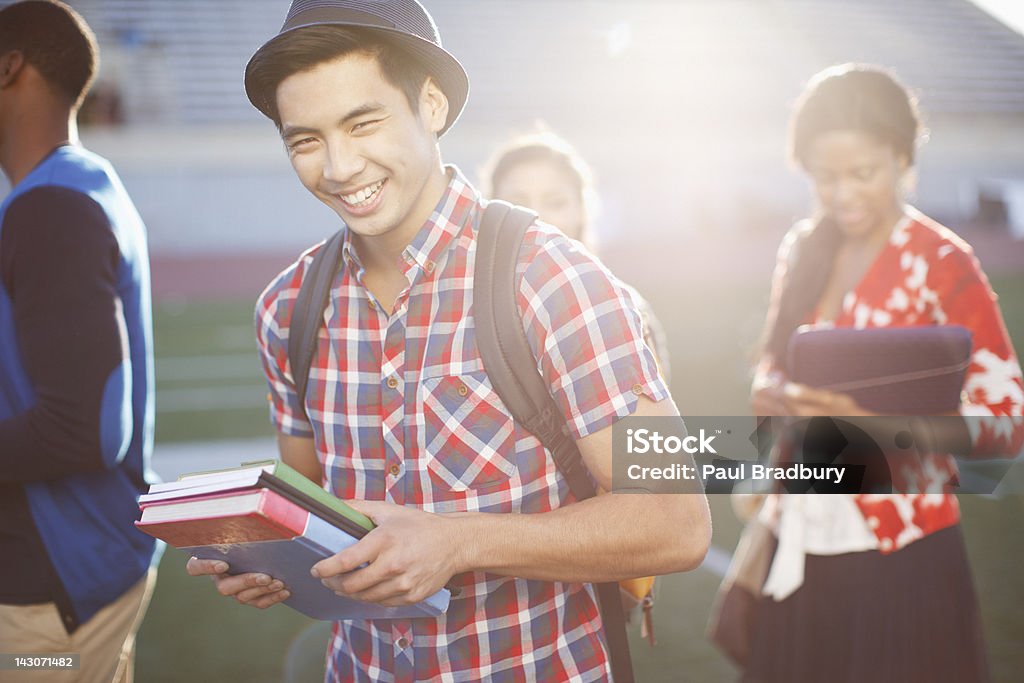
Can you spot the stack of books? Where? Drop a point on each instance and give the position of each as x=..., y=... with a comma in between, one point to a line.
x=266, y=517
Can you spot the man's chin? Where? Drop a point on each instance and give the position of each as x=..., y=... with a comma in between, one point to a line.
x=357, y=224
x=361, y=227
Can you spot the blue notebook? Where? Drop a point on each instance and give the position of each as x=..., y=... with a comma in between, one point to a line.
x=890, y=370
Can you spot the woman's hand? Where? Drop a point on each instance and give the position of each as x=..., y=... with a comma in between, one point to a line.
x=766, y=394
x=772, y=394
x=803, y=401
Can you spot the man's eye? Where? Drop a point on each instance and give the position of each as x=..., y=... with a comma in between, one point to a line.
x=365, y=125
x=295, y=144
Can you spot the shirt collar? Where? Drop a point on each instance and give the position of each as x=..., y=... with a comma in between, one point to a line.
x=450, y=217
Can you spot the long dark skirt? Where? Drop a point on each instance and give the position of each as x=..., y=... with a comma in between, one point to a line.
x=909, y=616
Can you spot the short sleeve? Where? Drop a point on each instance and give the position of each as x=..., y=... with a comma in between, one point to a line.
x=654, y=336
x=585, y=329
x=273, y=317
x=993, y=388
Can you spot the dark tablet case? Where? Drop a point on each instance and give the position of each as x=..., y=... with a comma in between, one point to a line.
x=893, y=370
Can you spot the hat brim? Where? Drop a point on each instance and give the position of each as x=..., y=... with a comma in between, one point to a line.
x=438, y=62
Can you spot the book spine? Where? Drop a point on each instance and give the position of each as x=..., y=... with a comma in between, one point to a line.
x=297, y=481
x=282, y=512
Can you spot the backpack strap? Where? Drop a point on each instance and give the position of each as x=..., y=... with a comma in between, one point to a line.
x=308, y=312
x=512, y=370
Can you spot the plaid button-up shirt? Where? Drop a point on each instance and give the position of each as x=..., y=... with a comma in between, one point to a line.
x=401, y=410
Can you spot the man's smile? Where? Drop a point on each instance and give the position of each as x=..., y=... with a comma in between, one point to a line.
x=363, y=200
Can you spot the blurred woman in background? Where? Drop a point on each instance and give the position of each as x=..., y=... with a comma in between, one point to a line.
x=542, y=172
x=873, y=587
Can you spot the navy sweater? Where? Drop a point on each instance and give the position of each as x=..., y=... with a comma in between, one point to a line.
x=76, y=387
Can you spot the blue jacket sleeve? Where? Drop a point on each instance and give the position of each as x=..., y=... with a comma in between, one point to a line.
x=59, y=262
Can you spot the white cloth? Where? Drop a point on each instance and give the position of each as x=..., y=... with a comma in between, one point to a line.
x=815, y=524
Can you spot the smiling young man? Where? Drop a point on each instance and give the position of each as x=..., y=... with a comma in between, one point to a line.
x=402, y=418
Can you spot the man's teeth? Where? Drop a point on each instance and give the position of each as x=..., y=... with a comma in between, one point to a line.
x=364, y=195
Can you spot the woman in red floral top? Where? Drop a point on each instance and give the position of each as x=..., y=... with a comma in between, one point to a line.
x=874, y=587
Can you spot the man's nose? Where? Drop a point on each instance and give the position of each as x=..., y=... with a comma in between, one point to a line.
x=343, y=162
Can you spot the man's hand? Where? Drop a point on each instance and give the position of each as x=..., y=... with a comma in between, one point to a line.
x=257, y=590
x=409, y=556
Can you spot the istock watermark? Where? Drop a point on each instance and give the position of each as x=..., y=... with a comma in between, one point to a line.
x=647, y=441
x=891, y=454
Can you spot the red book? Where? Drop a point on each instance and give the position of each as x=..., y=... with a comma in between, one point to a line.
x=257, y=515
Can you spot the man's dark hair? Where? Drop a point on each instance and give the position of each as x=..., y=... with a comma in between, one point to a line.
x=305, y=48
x=56, y=41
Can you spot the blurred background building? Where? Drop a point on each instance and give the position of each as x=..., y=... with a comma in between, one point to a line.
x=680, y=106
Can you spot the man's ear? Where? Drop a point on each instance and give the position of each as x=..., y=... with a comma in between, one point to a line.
x=433, y=106
x=11, y=65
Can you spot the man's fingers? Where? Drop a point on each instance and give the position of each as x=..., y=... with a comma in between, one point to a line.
x=390, y=593
x=374, y=509
x=252, y=595
x=268, y=600
x=253, y=589
x=350, y=583
x=197, y=567
x=233, y=585
x=365, y=550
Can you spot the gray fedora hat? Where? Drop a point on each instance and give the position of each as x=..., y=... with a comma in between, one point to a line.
x=404, y=22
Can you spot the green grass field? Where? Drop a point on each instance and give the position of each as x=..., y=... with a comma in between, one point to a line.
x=210, y=387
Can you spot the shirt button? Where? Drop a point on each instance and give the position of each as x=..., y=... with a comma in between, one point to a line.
x=394, y=470
x=403, y=643
x=886, y=544
x=392, y=382
x=429, y=267
x=874, y=522
x=371, y=303
x=463, y=389
x=638, y=389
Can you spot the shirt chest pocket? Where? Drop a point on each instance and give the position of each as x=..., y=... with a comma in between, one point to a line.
x=468, y=433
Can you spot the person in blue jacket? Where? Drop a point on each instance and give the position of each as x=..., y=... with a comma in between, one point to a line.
x=76, y=368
